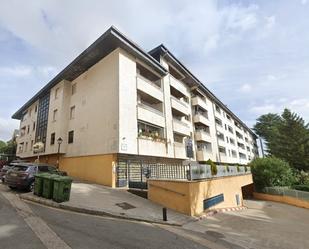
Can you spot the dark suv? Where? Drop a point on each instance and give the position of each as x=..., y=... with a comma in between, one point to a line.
x=21, y=176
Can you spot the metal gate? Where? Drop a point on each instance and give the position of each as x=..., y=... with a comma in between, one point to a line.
x=133, y=171
x=132, y=174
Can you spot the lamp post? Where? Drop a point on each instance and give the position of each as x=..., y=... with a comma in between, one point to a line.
x=59, y=141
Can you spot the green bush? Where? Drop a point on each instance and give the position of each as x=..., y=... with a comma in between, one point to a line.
x=238, y=168
x=213, y=167
x=271, y=172
x=302, y=177
x=227, y=168
x=301, y=187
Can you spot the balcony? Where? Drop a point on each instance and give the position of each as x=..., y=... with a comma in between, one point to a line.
x=203, y=155
x=179, y=86
x=181, y=127
x=180, y=106
x=179, y=150
x=200, y=118
x=150, y=147
x=221, y=142
x=201, y=135
x=219, y=128
x=149, y=87
x=148, y=114
x=199, y=101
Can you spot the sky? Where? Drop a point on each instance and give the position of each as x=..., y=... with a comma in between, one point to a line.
x=254, y=55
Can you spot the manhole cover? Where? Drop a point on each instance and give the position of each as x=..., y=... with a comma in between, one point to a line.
x=125, y=205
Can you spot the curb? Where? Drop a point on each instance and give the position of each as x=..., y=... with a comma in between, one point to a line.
x=221, y=210
x=53, y=204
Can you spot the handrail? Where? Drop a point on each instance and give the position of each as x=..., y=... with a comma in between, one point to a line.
x=149, y=82
x=149, y=108
x=180, y=102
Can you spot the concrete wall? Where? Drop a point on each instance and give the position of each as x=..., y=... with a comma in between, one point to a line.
x=187, y=196
x=97, y=169
x=283, y=199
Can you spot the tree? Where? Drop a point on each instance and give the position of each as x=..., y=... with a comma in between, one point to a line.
x=2, y=145
x=271, y=172
x=286, y=136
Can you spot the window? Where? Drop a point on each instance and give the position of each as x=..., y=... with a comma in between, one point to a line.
x=218, y=109
x=56, y=93
x=234, y=154
x=222, y=150
x=55, y=115
x=230, y=129
x=71, y=137
x=30, y=110
x=33, y=126
x=36, y=109
x=228, y=117
x=149, y=131
x=74, y=88
x=72, y=112
x=232, y=141
x=218, y=121
x=28, y=129
x=52, y=138
x=26, y=147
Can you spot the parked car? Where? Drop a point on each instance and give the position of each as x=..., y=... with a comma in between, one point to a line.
x=21, y=176
x=5, y=169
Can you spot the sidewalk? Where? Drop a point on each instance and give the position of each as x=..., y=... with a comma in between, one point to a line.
x=101, y=200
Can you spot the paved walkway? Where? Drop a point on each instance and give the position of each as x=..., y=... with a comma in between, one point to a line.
x=265, y=224
x=101, y=200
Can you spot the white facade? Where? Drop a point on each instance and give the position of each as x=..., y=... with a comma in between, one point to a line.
x=122, y=105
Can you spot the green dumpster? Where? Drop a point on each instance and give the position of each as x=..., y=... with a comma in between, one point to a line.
x=48, y=184
x=62, y=188
x=38, y=184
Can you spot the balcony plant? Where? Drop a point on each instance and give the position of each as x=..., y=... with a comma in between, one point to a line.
x=238, y=168
x=213, y=167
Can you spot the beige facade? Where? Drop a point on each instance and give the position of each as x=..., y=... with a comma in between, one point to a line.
x=127, y=103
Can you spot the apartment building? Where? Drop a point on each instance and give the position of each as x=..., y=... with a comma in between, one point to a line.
x=117, y=101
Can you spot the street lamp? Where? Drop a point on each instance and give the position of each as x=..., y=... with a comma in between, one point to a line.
x=59, y=141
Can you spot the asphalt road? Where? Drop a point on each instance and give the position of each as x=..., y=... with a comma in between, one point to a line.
x=83, y=231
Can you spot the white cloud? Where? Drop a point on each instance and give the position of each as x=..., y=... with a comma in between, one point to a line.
x=265, y=108
x=7, y=127
x=17, y=71
x=245, y=88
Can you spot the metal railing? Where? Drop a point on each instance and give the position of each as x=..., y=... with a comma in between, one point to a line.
x=193, y=171
x=286, y=191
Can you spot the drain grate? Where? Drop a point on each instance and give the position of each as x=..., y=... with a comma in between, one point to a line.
x=125, y=205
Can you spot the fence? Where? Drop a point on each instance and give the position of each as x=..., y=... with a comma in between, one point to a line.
x=193, y=171
x=285, y=191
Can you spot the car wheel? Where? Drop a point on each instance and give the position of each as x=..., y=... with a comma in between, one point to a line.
x=31, y=187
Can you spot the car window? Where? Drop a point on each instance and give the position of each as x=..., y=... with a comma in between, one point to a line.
x=20, y=168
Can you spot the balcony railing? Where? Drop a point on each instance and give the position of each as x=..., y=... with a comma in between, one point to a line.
x=193, y=171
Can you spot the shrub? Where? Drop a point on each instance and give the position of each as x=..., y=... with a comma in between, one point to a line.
x=271, y=172
x=302, y=177
x=227, y=168
x=238, y=168
x=246, y=168
x=213, y=167
x=301, y=187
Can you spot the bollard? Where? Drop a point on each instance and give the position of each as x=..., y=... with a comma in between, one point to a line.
x=164, y=214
